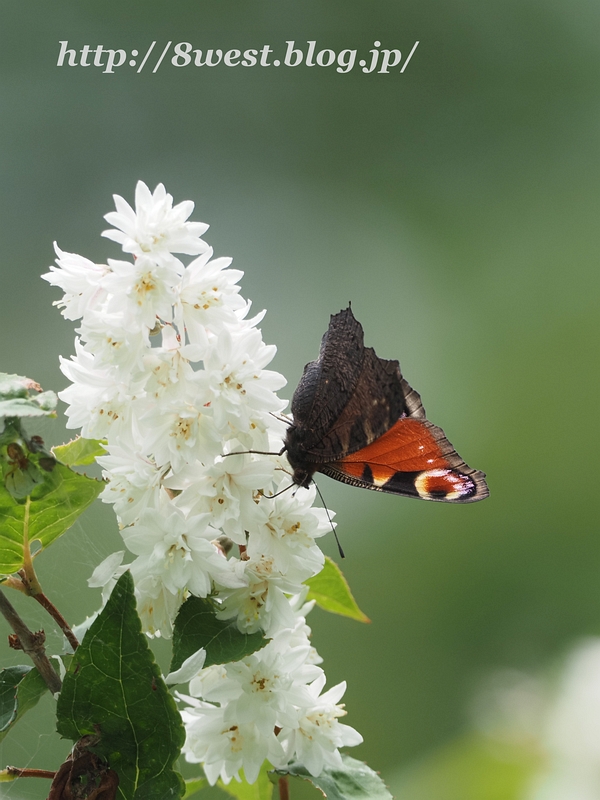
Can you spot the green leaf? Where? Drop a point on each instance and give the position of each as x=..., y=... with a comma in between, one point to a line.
x=355, y=781
x=20, y=689
x=79, y=452
x=193, y=786
x=196, y=626
x=55, y=505
x=331, y=591
x=114, y=688
x=15, y=400
x=16, y=386
x=21, y=474
x=261, y=789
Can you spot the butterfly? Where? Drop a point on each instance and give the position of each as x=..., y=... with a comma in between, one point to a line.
x=357, y=420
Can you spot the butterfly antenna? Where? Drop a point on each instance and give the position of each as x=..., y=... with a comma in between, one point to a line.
x=282, y=419
x=271, y=496
x=255, y=452
x=337, y=541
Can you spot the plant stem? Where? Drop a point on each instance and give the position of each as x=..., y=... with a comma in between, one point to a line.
x=33, y=588
x=58, y=618
x=284, y=788
x=30, y=773
x=30, y=579
x=32, y=644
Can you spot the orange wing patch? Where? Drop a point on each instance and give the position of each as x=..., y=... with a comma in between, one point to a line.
x=413, y=459
x=408, y=446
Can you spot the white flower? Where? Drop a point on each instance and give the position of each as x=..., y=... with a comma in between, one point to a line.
x=262, y=603
x=156, y=226
x=208, y=297
x=141, y=292
x=98, y=400
x=106, y=570
x=157, y=605
x=227, y=490
x=80, y=280
x=286, y=530
x=179, y=432
x=169, y=375
x=179, y=551
x=318, y=735
x=242, y=392
x=267, y=689
x=134, y=483
x=224, y=748
x=189, y=669
x=299, y=634
x=111, y=343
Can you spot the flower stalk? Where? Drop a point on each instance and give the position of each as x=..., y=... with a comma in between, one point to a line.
x=31, y=643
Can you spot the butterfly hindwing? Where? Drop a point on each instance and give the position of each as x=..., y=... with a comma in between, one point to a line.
x=415, y=459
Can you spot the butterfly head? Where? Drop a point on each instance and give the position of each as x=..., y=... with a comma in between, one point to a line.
x=302, y=470
x=302, y=477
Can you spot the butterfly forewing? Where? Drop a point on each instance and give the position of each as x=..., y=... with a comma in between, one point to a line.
x=349, y=397
x=328, y=383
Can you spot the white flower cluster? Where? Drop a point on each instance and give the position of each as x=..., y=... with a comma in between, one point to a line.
x=267, y=706
x=171, y=373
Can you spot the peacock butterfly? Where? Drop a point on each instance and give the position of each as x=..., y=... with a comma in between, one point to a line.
x=357, y=420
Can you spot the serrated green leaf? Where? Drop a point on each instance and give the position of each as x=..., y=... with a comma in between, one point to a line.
x=15, y=400
x=79, y=452
x=55, y=505
x=196, y=626
x=21, y=478
x=261, y=789
x=114, y=688
x=331, y=592
x=25, y=463
x=16, y=386
x=354, y=781
x=20, y=689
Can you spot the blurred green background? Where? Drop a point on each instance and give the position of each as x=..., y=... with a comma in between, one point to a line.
x=455, y=205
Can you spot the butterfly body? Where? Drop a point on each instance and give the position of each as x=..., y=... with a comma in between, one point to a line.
x=357, y=420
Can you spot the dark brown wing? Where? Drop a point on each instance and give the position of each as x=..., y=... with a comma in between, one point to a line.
x=348, y=397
